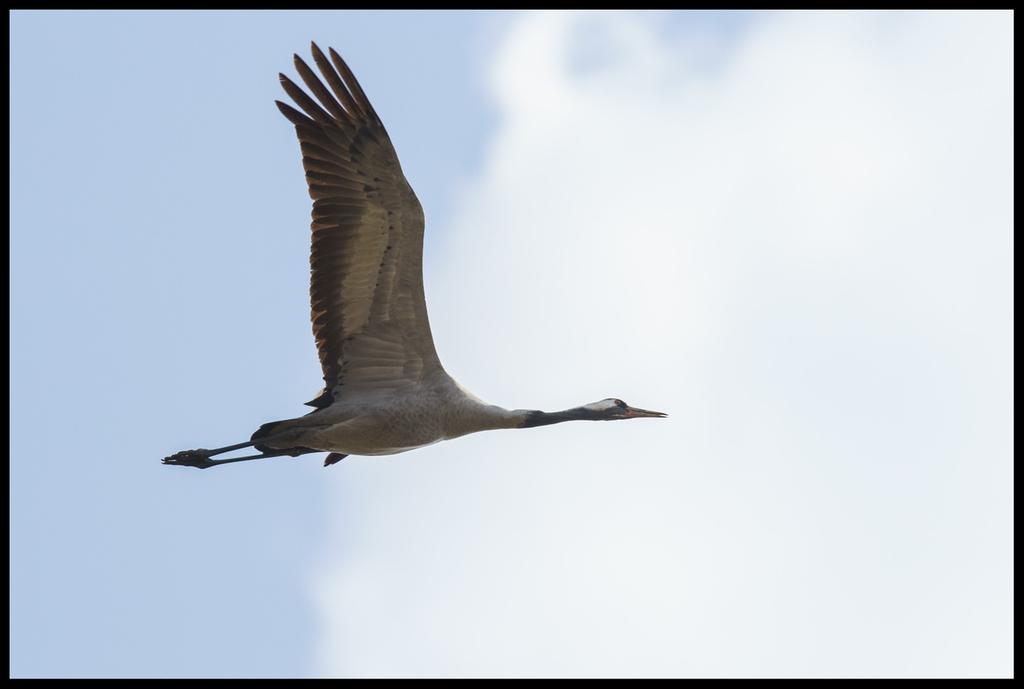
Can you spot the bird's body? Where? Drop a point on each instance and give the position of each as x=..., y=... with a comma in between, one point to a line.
x=385, y=390
x=435, y=410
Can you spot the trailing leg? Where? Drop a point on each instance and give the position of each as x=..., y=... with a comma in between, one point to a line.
x=200, y=459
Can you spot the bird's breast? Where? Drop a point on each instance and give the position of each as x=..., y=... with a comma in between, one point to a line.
x=379, y=432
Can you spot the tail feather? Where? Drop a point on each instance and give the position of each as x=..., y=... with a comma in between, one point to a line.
x=262, y=432
x=269, y=429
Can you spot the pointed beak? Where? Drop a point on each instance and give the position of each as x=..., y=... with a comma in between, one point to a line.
x=634, y=413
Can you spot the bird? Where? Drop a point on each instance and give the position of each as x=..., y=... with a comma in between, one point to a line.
x=385, y=390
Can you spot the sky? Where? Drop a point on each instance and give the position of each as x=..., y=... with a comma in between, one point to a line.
x=790, y=231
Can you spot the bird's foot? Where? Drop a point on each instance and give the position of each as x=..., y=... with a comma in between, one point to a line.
x=200, y=459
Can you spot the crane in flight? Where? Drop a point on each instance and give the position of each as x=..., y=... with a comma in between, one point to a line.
x=385, y=390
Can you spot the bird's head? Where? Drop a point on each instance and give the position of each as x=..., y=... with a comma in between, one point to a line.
x=612, y=409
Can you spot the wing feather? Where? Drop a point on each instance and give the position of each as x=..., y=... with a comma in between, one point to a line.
x=366, y=289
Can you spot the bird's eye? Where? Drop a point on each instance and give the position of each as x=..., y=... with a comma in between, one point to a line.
x=620, y=403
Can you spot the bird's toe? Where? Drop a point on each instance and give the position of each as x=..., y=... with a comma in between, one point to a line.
x=199, y=459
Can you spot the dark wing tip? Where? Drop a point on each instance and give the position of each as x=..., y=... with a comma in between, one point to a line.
x=334, y=458
x=318, y=55
x=294, y=116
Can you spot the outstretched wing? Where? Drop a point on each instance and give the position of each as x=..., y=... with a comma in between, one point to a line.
x=366, y=289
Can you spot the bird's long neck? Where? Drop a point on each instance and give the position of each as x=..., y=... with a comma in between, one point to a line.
x=473, y=414
x=531, y=418
x=491, y=417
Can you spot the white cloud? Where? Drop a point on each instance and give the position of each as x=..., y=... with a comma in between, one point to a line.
x=804, y=255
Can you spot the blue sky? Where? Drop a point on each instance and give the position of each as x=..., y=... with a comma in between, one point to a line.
x=824, y=226
x=142, y=144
